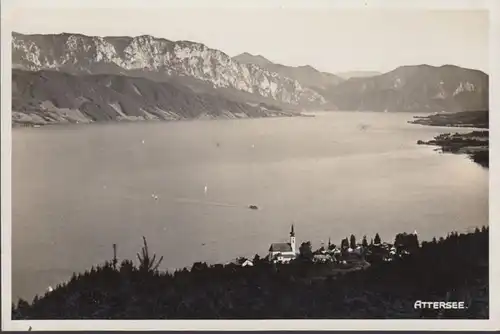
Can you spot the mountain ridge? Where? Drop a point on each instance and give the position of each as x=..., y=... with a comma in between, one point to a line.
x=357, y=74
x=239, y=80
x=415, y=88
x=77, y=53
x=306, y=75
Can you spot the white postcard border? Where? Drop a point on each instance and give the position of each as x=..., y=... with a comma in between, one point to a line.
x=8, y=11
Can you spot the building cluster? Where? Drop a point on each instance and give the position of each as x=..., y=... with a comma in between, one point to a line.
x=284, y=252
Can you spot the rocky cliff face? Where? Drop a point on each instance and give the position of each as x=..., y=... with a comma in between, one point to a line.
x=141, y=55
x=307, y=75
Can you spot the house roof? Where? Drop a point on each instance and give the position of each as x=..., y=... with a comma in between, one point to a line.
x=280, y=247
x=247, y=263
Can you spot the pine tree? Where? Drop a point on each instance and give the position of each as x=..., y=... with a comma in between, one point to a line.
x=256, y=258
x=353, y=241
x=377, y=239
x=364, y=243
x=344, y=243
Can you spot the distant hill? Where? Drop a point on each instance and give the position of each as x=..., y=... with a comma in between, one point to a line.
x=357, y=74
x=420, y=88
x=247, y=58
x=45, y=97
x=307, y=75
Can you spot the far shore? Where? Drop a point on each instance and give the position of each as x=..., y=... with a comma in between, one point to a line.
x=475, y=144
x=19, y=125
x=279, y=114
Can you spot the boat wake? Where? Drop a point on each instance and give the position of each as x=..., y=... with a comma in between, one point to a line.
x=196, y=201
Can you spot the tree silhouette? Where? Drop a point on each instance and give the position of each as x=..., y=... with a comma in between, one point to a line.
x=256, y=258
x=146, y=263
x=126, y=267
x=399, y=240
x=364, y=243
x=352, y=243
x=344, y=244
x=377, y=240
x=409, y=242
x=305, y=251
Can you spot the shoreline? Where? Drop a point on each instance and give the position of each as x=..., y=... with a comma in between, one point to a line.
x=474, y=144
x=278, y=114
x=463, y=119
x=17, y=125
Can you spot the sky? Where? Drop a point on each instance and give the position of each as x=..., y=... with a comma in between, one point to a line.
x=329, y=39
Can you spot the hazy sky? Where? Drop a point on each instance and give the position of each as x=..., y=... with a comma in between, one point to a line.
x=331, y=40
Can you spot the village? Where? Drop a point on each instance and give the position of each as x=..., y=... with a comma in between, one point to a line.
x=326, y=283
x=348, y=256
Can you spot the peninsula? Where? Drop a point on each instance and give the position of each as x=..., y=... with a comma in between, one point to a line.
x=475, y=144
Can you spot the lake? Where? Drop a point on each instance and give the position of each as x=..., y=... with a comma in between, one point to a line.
x=77, y=190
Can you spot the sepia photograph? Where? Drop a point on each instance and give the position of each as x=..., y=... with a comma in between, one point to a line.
x=245, y=162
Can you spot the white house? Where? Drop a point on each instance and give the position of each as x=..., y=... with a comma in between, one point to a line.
x=283, y=251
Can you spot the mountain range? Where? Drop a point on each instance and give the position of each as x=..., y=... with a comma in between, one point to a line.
x=357, y=74
x=73, y=77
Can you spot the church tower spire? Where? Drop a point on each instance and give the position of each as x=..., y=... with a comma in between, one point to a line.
x=292, y=239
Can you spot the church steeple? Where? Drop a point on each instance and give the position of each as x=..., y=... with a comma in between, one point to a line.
x=292, y=232
x=292, y=239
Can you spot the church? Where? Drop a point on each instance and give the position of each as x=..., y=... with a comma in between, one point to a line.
x=283, y=252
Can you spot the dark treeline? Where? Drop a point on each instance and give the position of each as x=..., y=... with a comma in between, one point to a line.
x=481, y=157
x=454, y=268
x=475, y=144
x=477, y=119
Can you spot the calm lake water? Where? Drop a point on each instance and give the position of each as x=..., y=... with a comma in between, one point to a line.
x=76, y=190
